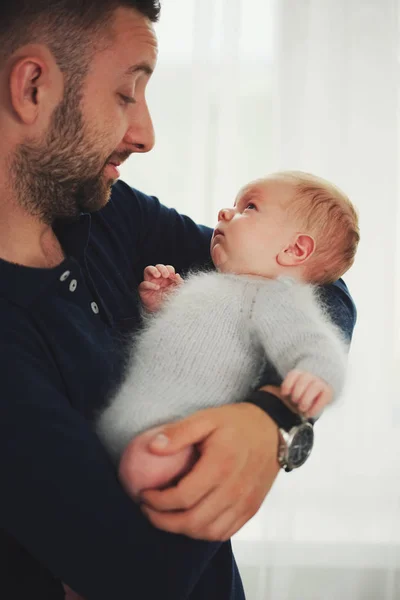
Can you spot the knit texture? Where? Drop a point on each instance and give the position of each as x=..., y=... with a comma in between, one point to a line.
x=209, y=344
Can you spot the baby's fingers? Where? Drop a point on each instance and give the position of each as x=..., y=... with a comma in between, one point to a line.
x=317, y=407
x=289, y=382
x=165, y=271
x=298, y=384
x=320, y=403
x=170, y=269
x=310, y=395
x=148, y=285
x=151, y=272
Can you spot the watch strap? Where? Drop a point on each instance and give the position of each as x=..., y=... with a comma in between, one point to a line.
x=275, y=408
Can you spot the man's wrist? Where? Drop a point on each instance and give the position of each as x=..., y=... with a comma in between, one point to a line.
x=296, y=435
x=275, y=408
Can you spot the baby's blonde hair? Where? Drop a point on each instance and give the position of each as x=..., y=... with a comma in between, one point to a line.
x=328, y=215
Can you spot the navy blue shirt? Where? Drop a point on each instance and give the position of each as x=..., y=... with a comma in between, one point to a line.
x=63, y=336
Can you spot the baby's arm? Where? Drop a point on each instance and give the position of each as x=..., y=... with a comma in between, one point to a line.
x=158, y=282
x=140, y=469
x=302, y=343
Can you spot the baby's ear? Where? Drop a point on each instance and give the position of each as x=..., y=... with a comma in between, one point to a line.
x=297, y=252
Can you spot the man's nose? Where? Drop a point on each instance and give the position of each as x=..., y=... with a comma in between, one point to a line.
x=141, y=131
x=225, y=214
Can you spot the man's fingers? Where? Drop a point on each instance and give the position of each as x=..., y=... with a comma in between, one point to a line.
x=216, y=516
x=186, y=432
x=203, y=478
x=227, y=485
x=196, y=518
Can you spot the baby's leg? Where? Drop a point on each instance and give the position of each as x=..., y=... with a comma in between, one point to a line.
x=140, y=469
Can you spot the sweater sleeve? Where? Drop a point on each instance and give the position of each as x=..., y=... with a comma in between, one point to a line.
x=295, y=332
x=61, y=500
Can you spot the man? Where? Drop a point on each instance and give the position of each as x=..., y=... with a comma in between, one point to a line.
x=72, y=107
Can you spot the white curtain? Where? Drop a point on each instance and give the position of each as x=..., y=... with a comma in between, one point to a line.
x=243, y=89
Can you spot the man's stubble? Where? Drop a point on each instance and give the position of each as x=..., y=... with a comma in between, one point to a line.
x=62, y=176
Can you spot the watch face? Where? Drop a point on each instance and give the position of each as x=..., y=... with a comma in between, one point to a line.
x=301, y=446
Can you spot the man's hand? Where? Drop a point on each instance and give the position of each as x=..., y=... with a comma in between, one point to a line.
x=307, y=392
x=238, y=446
x=158, y=281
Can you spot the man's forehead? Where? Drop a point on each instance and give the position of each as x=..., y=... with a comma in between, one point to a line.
x=135, y=40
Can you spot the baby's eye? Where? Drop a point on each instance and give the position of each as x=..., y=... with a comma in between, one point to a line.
x=250, y=206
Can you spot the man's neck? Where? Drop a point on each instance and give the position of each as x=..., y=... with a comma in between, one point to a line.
x=53, y=254
x=24, y=240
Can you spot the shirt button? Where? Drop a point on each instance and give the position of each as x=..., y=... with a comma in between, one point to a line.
x=65, y=275
x=95, y=308
x=73, y=285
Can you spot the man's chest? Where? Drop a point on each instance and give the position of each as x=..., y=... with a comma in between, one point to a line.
x=87, y=325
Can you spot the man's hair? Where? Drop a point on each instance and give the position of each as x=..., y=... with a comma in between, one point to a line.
x=70, y=28
x=329, y=216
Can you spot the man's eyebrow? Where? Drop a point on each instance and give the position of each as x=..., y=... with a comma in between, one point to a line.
x=143, y=66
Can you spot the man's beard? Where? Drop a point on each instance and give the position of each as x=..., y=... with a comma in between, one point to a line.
x=61, y=176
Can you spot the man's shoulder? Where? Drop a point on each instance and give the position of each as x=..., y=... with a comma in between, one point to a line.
x=126, y=201
x=121, y=192
x=129, y=216
x=340, y=305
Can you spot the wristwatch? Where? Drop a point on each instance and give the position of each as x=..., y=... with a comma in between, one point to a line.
x=296, y=434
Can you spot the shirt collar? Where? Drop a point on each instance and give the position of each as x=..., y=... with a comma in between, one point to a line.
x=23, y=285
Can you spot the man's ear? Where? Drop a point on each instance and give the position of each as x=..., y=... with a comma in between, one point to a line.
x=23, y=89
x=297, y=252
x=33, y=80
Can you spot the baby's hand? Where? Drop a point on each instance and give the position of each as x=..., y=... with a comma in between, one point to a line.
x=309, y=393
x=158, y=281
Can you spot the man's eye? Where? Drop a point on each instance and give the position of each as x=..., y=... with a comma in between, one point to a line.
x=250, y=206
x=127, y=99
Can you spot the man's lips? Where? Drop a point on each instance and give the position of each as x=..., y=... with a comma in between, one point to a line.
x=114, y=164
x=218, y=232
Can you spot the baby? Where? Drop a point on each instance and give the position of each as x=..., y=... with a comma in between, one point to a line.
x=207, y=340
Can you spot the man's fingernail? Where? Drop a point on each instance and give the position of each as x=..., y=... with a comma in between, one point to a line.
x=160, y=441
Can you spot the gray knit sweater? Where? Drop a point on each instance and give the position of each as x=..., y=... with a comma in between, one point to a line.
x=208, y=346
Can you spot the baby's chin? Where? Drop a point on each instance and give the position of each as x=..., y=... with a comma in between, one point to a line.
x=221, y=260
x=219, y=257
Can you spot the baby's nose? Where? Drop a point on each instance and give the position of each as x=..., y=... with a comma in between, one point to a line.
x=225, y=214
